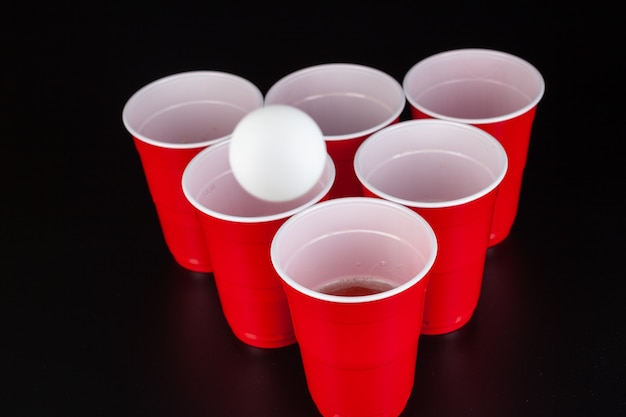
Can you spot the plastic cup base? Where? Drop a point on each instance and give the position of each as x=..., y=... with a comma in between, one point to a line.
x=266, y=343
x=434, y=329
x=496, y=238
x=194, y=265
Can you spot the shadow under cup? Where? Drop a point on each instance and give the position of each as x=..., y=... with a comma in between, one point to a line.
x=359, y=352
x=448, y=173
x=239, y=228
x=171, y=120
x=495, y=91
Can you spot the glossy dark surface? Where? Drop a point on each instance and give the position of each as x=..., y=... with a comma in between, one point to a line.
x=97, y=319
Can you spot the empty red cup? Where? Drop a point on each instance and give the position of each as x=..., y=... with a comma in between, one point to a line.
x=349, y=102
x=171, y=120
x=239, y=229
x=448, y=173
x=495, y=91
x=359, y=351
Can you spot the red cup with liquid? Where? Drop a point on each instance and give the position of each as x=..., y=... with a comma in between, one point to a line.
x=355, y=271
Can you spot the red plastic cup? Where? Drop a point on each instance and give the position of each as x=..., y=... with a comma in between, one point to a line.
x=359, y=352
x=492, y=90
x=171, y=120
x=239, y=229
x=349, y=102
x=448, y=173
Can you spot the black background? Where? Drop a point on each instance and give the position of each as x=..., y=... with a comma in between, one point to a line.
x=98, y=320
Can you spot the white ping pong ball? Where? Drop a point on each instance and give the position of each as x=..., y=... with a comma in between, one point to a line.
x=277, y=153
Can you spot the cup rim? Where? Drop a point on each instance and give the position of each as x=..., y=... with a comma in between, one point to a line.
x=137, y=95
x=350, y=66
x=409, y=124
x=477, y=51
x=424, y=271
x=198, y=160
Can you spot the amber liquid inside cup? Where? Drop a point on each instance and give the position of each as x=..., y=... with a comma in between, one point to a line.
x=355, y=286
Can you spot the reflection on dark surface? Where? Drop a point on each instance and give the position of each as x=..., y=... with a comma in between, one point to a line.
x=191, y=363
x=488, y=360
x=200, y=368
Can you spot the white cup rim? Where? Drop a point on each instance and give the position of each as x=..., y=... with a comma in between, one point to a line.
x=328, y=204
x=476, y=132
x=189, y=76
x=384, y=77
x=198, y=160
x=516, y=60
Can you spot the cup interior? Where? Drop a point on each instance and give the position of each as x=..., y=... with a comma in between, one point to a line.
x=190, y=109
x=353, y=239
x=430, y=163
x=473, y=85
x=346, y=100
x=210, y=186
